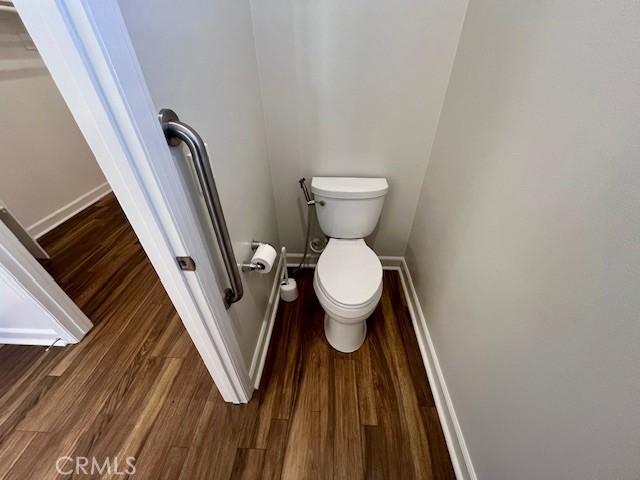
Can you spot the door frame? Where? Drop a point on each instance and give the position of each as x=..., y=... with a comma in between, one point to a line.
x=87, y=49
x=30, y=280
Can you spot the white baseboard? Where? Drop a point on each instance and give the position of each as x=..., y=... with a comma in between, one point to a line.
x=449, y=421
x=293, y=260
x=262, y=346
x=29, y=336
x=391, y=263
x=450, y=425
x=388, y=262
x=64, y=213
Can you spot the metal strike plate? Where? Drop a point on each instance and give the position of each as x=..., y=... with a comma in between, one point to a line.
x=186, y=263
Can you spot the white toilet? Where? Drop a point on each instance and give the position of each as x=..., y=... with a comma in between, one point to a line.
x=348, y=277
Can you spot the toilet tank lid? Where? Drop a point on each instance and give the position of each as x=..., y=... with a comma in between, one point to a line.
x=349, y=187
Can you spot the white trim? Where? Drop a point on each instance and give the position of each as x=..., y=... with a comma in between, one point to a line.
x=21, y=233
x=449, y=421
x=388, y=262
x=391, y=262
x=30, y=279
x=67, y=211
x=444, y=405
x=87, y=49
x=262, y=346
x=293, y=260
x=30, y=336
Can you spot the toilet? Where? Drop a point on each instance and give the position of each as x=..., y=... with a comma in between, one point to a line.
x=348, y=276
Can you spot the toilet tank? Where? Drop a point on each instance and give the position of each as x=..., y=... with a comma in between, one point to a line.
x=348, y=207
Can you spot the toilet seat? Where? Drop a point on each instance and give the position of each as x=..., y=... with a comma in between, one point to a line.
x=348, y=284
x=349, y=276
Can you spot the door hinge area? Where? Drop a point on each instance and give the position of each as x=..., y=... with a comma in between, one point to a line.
x=186, y=263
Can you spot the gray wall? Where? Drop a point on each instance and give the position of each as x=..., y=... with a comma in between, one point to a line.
x=45, y=163
x=526, y=242
x=353, y=88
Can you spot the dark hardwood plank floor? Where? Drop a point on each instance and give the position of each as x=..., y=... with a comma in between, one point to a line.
x=136, y=387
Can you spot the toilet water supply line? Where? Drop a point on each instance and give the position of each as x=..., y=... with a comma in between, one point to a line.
x=310, y=203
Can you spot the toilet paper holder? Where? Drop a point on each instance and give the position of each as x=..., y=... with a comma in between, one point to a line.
x=250, y=267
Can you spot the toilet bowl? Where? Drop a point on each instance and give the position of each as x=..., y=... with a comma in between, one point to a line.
x=348, y=284
x=348, y=277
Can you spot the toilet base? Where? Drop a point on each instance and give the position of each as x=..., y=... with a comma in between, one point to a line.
x=344, y=338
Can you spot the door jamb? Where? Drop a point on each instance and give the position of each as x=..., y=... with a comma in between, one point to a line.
x=87, y=49
x=30, y=279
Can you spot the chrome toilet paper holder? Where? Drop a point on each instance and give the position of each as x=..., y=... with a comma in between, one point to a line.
x=250, y=267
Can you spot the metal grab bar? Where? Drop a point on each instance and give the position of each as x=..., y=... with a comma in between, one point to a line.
x=176, y=131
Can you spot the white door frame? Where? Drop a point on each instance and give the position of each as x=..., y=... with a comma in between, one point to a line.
x=30, y=280
x=87, y=49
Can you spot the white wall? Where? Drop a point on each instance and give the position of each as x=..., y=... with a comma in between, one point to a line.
x=525, y=247
x=210, y=79
x=353, y=88
x=45, y=162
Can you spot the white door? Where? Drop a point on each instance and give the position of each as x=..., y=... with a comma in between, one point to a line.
x=117, y=63
x=198, y=58
x=33, y=308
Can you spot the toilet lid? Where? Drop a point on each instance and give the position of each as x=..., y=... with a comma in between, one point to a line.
x=349, y=272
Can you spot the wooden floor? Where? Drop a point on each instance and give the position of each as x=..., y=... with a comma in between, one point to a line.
x=136, y=387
